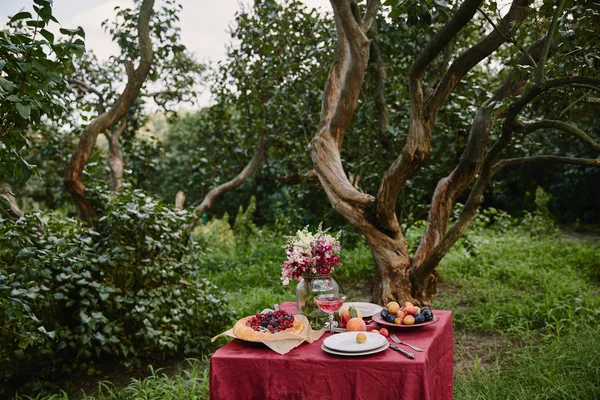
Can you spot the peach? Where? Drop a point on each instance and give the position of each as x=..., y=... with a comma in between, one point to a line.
x=409, y=320
x=398, y=321
x=393, y=307
x=410, y=310
x=407, y=304
x=356, y=324
x=384, y=332
x=374, y=331
x=361, y=338
x=348, y=313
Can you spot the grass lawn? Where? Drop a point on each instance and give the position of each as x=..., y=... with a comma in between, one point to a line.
x=526, y=311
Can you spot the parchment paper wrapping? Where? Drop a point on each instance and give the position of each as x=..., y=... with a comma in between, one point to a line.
x=283, y=342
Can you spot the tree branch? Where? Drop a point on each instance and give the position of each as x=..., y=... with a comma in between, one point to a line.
x=84, y=87
x=370, y=14
x=539, y=73
x=340, y=99
x=510, y=38
x=517, y=106
x=462, y=17
x=418, y=143
x=353, y=75
x=115, y=158
x=560, y=125
x=73, y=177
x=545, y=159
x=467, y=60
x=255, y=162
x=436, y=241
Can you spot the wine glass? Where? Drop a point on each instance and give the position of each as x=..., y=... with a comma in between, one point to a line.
x=330, y=303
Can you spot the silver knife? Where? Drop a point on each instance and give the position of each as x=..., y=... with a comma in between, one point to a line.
x=406, y=353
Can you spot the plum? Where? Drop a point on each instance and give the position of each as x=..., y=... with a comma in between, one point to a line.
x=419, y=318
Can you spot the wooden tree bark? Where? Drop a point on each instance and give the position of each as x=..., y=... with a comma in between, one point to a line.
x=135, y=79
x=8, y=204
x=115, y=157
x=398, y=275
x=254, y=163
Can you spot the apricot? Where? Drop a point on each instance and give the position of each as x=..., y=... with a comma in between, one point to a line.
x=393, y=307
x=348, y=313
x=384, y=332
x=361, y=338
x=409, y=320
x=417, y=309
x=356, y=324
x=410, y=310
x=407, y=304
x=398, y=321
x=374, y=331
x=401, y=314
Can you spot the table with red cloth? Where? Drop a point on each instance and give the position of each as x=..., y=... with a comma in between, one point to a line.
x=248, y=371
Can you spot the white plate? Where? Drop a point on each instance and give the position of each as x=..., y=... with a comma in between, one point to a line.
x=346, y=342
x=366, y=309
x=355, y=354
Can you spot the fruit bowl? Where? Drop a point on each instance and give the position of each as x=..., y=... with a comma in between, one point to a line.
x=377, y=318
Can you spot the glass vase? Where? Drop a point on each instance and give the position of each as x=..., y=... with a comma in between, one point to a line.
x=309, y=287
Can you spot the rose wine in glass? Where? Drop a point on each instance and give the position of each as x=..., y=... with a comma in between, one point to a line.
x=330, y=303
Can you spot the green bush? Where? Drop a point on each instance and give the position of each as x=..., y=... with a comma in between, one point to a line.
x=71, y=295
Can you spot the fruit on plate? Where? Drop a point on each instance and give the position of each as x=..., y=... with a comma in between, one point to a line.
x=407, y=314
x=361, y=338
x=263, y=325
x=348, y=313
x=355, y=325
x=419, y=318
x=374, y=331
x=410, y=310
x=393, y=307
x=427, y=313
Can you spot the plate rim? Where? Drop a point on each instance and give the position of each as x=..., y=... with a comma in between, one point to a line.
x=366, y=353
x=352, y=333
x=377, y=318
x=362, y=302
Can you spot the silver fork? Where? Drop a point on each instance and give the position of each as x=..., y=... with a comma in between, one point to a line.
x=395, y=339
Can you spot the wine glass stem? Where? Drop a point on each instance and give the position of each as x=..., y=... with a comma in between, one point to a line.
x=330, y=322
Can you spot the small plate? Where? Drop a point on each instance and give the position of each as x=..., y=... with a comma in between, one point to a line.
x=366, y=309
x=355, y=354
x=346, y=342
x=377, y=318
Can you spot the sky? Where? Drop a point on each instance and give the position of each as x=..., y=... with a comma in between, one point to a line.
x=204, y=23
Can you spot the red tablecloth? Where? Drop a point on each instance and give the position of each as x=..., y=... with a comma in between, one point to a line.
x=243, y=371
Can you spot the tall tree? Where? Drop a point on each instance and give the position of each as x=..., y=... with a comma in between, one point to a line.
x=399, y=275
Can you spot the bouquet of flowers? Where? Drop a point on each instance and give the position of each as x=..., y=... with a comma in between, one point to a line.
x=310, y=253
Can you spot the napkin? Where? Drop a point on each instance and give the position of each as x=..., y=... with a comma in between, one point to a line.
x=284, y=342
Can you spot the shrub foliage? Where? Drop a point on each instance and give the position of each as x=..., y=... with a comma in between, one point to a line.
x=71, y=295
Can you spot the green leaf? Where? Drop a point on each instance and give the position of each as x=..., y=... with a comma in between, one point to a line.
x=6, y=84
x=49, y=36
x=36, y=24
x=21, y=15
x=2, y=64
x=23, y=110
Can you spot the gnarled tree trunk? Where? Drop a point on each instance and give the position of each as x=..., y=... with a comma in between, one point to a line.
x=399, y=276
x=135, y=79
